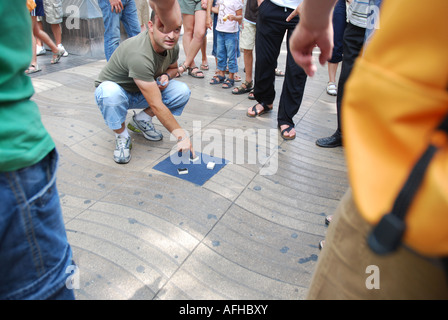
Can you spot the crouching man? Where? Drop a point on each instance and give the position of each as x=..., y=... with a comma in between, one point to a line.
x=138, y=76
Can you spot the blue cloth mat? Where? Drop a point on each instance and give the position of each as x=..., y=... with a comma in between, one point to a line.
x=198, y=173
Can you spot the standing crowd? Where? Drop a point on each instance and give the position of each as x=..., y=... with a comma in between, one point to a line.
x=391, y=108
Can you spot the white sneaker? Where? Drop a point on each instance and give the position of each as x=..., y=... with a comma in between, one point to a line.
x=332, y=89
x=40, y=50
x=60, y=46
x=122, y=152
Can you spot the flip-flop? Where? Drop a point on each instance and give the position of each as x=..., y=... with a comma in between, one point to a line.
x=289, y=128
x=251, y=95
x=256, y=113
x=204, y=67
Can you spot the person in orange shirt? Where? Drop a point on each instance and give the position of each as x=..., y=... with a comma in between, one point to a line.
x=394, y=101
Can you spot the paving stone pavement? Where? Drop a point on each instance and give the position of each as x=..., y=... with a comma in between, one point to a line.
x=250, y=232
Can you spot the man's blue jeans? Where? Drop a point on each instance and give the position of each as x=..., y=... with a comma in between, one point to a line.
x=128, y=16
x=114, y=102
x=34, y=251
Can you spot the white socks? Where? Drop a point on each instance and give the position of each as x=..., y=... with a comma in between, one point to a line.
x=142, y=115
x=125, y=133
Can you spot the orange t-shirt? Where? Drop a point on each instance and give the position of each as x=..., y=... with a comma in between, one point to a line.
x=394, y=99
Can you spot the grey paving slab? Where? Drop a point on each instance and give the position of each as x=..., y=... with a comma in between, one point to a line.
x=250, y=232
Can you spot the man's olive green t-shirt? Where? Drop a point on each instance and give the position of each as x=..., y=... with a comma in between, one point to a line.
x=135, y=58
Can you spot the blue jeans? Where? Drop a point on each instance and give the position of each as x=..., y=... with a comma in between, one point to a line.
x=114, y=102
x=34, y=251
x=128, y=16
x=227, y=45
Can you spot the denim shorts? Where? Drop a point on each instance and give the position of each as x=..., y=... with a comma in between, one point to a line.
x=34, y=251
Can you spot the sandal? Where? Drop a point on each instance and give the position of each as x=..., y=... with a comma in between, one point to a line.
x=204, y=67
x=32, y=69
x=251, y=95
x=243, y=88
x=228, y=83
x=279, y=73
x=237, y=78
x=57, y=56
x=195, y=74
x=256, y=113
x=217, y=79
x=289, y=128
x=179, y=73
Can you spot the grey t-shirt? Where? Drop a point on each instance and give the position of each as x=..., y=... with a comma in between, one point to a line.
x=135, y=58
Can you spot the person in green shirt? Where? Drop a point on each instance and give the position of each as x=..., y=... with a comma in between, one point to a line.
x=34, y=252
x=139, y=76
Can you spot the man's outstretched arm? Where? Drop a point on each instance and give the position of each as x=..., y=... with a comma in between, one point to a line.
x=151, y=92
x=315, y=28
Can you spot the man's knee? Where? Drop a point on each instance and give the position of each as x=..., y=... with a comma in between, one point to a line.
x=176, y=96
x=184, y=91
x=108, y=93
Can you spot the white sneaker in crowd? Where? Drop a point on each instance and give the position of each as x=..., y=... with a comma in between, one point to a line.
x=40, y=50
x=60, y=46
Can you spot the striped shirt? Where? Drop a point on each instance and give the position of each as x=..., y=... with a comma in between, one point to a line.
x=357, y=13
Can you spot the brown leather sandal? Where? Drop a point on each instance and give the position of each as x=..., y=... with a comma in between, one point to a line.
x=243, y=88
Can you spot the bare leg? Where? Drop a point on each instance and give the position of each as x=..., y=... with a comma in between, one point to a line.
x=248, y=64
x=188, y=23
x=204, y=65
x=34, y=58
x=332, y=69
x=57, y=33
x=38, y=41
x=198, y=38
x=43, y=36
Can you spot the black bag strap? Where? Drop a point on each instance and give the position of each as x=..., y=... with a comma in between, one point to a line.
x=387, y=234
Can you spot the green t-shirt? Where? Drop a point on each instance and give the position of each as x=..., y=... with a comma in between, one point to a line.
x=135, y=58
x=24, y=141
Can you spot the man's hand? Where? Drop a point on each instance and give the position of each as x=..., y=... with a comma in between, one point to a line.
x=302, y=43
x=315, y=28
x=116, y=5
x=296, y=12
x=183, y=141
x=163, y=81
x=185, y=145
x=168, y=11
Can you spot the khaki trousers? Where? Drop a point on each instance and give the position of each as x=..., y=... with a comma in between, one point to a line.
x=348, y=269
